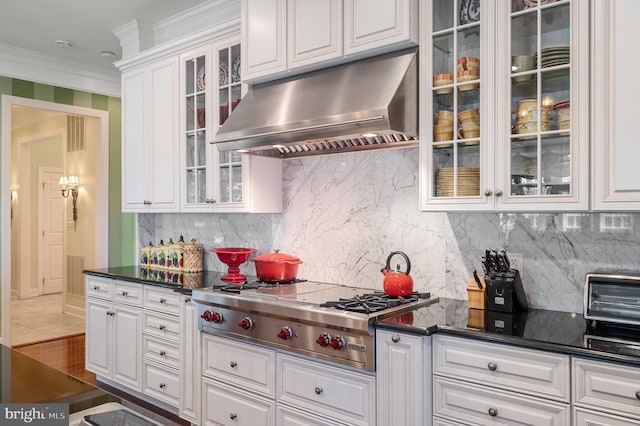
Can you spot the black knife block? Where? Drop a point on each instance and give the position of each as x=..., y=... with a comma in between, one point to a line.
x=505, y=292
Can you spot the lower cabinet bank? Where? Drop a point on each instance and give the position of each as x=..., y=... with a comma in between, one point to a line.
x=144, y=339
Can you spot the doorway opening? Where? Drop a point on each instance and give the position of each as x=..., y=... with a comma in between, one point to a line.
x=50, y=244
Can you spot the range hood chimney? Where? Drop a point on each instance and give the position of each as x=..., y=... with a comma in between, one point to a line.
x=362, y=105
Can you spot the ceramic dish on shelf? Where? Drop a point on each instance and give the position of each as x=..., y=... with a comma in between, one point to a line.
x=235, y=70
x=223, y=75
x=469, y=11
x=202, y=84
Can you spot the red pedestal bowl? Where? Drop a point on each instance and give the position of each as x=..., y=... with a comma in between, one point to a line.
x=233, y=257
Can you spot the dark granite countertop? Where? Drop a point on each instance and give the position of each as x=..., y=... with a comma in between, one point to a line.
x=28, y=381
x=562, y=332
x=180, y=282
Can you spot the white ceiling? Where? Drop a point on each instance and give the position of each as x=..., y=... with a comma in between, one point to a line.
x=36, y=24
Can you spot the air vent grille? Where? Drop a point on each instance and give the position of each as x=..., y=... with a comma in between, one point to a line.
x=75, y=278
x=76, y=133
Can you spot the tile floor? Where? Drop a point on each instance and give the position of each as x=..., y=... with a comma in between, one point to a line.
x=41, y=318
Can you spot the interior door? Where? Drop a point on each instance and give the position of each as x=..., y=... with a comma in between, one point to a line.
x=52, y=233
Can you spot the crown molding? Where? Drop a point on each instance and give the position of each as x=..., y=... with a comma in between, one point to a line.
x=135, y=36
x=213, y=13
x=47, y=69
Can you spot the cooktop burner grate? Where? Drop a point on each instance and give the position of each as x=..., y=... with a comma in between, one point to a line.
x=252, y=285
x=369, y=303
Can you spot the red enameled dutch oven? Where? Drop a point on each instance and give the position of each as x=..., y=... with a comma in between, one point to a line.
x=276, y=267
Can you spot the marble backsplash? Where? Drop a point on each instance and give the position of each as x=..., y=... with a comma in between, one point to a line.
x=344, y=213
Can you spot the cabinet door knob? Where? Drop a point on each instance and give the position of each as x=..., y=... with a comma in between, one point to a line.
x=233, y=364
x=124, y=293
x=163, y=353
x=163, y=300
x=162, y=385
x=493, y=412
x=487, y=193
x=161, y=327
x=492, y=366
x=318, y=390
x=395, y=338
x=498, y=193
x=187, y=299
x=638, y=394
x=96, y=287
x=233, y=416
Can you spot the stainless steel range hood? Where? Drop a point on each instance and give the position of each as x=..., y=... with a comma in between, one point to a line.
x=329, y=110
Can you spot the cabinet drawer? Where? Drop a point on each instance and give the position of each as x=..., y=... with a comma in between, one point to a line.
x=523, y=370
x=288, y=416
x=161, y=352
x=99, y=287
x=248, y=367
x=127, y=293
x=607, y=387
x=316, y=387
x=162, y=326
x=160, y=300
x=223, y=405
x=479, y=405
x=162, y=383
x=584, y=417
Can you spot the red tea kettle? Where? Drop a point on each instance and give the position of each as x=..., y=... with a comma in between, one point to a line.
x=397, y=283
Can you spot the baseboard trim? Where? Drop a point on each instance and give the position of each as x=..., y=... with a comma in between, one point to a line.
x=74, y=310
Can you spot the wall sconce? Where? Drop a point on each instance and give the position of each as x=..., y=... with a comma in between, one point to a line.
x=69, y=185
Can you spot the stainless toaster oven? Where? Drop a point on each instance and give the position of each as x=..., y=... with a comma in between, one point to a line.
x=612, y=298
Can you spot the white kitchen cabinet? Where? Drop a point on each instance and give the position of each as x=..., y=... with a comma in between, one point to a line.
x=376, y=24
x=477, y=382
x=226, y=405
x=335, y=393
x=113, y=334
x=149, y=133
x=190, y=386
x=283, y=37
x=505, y=134
x=214, y=181
x=403, y=366
x=480, y=405
x=606, y=387
x=615, y=152
x=584, y=417
x=314, y=31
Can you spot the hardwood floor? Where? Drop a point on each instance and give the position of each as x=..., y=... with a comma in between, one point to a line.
x=67, y=354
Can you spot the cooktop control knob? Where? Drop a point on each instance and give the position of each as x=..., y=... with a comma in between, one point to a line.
x=217, y=318
x=323, y=340
x=337, y=342
x=246, y=323
x=206, y=315
x=285, y=333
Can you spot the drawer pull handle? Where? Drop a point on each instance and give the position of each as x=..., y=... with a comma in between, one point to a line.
x=187, y=299
x=161, y=327
x=163, y=300
x=162, y=385
x=395, y=338
x=163, y=353
x=493, y=412
x=233, y=416
x=318, y=390
x=492, y=366
x=124, y=293
x=96, y=287
x=233, y=364
x=638, y=394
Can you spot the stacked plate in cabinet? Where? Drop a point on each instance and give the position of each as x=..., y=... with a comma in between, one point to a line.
x=553, y=56
x=468, y=181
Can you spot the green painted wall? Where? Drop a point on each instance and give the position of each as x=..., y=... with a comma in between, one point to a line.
x=121, y=226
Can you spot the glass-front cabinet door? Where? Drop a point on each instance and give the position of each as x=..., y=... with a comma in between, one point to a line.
x=194, y=139
x=547, y=106
x=498, y=130
x=212, y=89
x=459, y=85
x=229, y=165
